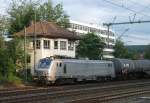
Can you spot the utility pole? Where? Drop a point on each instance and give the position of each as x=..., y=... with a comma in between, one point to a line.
x=108, y=27
x=34, y=41
x=122, y=23
x=25, y=56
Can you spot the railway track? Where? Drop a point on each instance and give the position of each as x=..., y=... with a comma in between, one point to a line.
x=15, y=88
x=107, y=97
x=63, y=94
x=38, y=90
x=11, y=91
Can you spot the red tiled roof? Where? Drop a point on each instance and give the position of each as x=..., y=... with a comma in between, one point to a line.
x=49, y=30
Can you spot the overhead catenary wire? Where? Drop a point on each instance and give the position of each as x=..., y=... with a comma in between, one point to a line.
x=144, y=6
x=115, y=4
x=131, y=20
x=136, y=37
x=128, y=22
x=122, y=34
x=143, y=9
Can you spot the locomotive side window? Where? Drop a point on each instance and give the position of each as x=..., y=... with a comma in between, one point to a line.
x=65, y=69
x=127, y=65
x=109, y=65
x=124, y=65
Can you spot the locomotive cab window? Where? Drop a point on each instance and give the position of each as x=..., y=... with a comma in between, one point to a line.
x=57, y=64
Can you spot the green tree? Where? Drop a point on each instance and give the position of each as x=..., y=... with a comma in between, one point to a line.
x=22, y=13
x=56, y=14
x=120, y=50
x=147, y=52
x=3, y=29
x=2, y=43
x=7, y=67
x=7, y=64
x=90, y=46
x=1, y=56
x=16, y=52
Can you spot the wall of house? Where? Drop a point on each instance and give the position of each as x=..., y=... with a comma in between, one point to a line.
x=50, y=50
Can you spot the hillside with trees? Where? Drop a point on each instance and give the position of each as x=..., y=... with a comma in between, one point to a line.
x=122, y=51
x=147, y=52
x=138, y=48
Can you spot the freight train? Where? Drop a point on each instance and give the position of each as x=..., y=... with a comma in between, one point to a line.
x=53, y=71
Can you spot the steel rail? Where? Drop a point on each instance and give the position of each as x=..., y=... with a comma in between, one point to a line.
x=109, y=97
x=57, y=94
x=59, y=89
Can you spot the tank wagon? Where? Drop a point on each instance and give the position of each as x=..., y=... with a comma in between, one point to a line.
x=125, y=68
x=142, y=66
x=73, y=70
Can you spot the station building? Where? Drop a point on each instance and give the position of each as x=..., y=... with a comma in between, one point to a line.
x=51, y=40
x=84, y=28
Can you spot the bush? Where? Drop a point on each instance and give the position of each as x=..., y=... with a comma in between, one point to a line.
x=7, y=69
x=2, y=79
x=13, y=80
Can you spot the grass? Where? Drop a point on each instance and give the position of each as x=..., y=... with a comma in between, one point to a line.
x=12, y=81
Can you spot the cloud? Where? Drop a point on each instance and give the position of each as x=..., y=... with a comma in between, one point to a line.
x=3, y=6
x=99, y=11
x=136, y=39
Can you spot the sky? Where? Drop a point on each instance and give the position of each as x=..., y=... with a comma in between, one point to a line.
x=106, y=11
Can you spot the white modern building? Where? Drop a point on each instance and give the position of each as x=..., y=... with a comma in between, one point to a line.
x=51, y=40
x=84, y=28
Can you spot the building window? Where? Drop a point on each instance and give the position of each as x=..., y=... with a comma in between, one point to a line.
x=62, y=45
x=71, y=25
x=46, y=44
x=38, y=44
x=70, y=45
x=75, y=26
x=55, y=44
x=28, y=59
x=86, y=28
x=99, y=31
